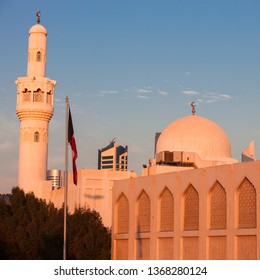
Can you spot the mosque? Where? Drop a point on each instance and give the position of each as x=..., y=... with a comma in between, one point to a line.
x=192, y=201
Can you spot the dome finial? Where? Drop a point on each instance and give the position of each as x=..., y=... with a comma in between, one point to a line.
x=193, y=110
x=38, y=14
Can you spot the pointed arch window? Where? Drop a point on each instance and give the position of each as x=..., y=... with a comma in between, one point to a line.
x=246, y=205
x=122, y=214
x=166, y=210
x=218, y=207
x=191, y=209
x=143, y=212
x=36, y=136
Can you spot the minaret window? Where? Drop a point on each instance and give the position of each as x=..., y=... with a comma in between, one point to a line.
x=38, y=96
x=49, y=95
x=36, y=136
x=38, y=56
x=26, y=95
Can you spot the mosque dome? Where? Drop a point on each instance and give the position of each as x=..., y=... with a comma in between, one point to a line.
x=195, y=134
x=37, y=28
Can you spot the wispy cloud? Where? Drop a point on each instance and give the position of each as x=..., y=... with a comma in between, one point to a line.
x=207, y=97
x=108, y=91
x=190, y=92
x=144, y=90
x=148, y=92
x=162, y=92
x=212, y=97
x=226, y=96
x=142, y=96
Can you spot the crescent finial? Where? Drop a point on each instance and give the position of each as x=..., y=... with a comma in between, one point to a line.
x=193, y=110
x=38, y=14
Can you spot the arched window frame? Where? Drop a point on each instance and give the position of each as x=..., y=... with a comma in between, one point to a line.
x=218, y=207
x=144, y=213
x=36, y=136
x=122, y=212
x=38, y=56
x=247, y=206
x=166, y=210
x=191, y=209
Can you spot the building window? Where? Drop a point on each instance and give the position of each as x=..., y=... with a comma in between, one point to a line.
x=26, y=95
x=36, y=136
x=38, y=96
x=167, y=210
x=143, y=213
x=122, y=214
x=246, y=205
x=191, y=209
x=107, y=167
x=218, y=207
x=107, y=157
x=38, y=56
x=49, y=97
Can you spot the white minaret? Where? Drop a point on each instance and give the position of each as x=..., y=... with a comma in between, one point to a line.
x=35, y=97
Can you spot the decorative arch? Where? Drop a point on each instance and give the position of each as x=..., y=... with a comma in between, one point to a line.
x=246, y=205
x=218, y=207
x=25, y=135
x=122, y=210
x=45, y=137
x=166, y=210
x=191, y=209
x=143, y=212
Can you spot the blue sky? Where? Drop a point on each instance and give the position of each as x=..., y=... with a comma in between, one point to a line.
x=132, y=67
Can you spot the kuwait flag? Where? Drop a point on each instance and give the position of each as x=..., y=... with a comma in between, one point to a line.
x=73, y=146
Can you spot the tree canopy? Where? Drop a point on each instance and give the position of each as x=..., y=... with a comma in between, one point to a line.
x=32, y=229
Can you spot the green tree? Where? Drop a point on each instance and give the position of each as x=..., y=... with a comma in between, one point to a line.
x=87, y=237
x=30, y=228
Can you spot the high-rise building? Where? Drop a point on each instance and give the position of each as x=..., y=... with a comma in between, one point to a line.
x=35, y=98
x=57, y=178
x=112, y=157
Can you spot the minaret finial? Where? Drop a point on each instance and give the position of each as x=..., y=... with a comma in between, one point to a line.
x=38, y=14
x=193, y=110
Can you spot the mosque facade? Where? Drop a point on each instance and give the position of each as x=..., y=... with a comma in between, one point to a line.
x=193, y=201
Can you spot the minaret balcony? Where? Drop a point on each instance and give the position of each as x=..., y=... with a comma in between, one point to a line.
x=35, y=97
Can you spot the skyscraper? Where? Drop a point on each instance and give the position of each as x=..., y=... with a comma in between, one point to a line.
x=112, y=157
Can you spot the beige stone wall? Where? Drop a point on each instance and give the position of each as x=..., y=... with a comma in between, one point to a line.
x=94, y=191
x=208, y=213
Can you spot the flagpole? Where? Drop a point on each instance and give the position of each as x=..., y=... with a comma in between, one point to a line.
x=66, y=182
